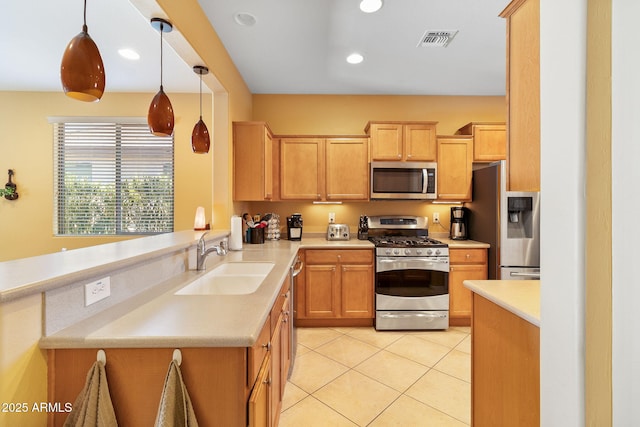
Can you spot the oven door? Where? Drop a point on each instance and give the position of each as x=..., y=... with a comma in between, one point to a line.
x=412, y=277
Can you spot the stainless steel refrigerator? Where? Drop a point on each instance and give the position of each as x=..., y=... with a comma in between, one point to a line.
x=509, y=221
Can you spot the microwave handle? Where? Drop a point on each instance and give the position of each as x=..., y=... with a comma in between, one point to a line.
x=425, y=180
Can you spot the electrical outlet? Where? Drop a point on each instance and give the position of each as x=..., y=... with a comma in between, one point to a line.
x=96, y=291
x=332, y=217
x=436, y=217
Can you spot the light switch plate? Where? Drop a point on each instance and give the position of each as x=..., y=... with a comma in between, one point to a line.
x=96, y=291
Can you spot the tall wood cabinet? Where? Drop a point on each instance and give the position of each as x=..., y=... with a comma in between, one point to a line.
x=252, y=161
x=465, y=264
x=313, y=168
x=455, y=166
x=335, y=288
x=523, y=94
x=402, y=141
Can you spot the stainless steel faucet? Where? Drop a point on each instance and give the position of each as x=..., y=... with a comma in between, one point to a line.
x=202, y=251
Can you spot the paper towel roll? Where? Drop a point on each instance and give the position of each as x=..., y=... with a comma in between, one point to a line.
x=235, y=239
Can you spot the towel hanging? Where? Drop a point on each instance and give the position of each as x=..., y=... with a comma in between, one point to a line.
x=93, y=406
x=175, y=409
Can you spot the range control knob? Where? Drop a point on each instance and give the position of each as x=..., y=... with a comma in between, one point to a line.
x=429, y=251
x=438, y=252
x=418, y=251
x=388, y=252
x=396, y=251
x=407, y=251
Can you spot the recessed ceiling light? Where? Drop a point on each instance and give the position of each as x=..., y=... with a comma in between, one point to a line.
x=355, y=58
x=245, y=19
x=129, y=54
x=370, y=6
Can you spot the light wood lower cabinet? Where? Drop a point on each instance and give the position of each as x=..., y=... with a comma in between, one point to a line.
x=465, y=264
x=228, y=386
x=505, y=367
x=335, y=288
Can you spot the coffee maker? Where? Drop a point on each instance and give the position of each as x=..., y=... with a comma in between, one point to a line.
x=459, y=228
x=294, y=227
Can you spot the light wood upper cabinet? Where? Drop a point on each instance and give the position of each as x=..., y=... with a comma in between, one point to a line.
x=302, y=168
x=489, y=140
x=252, y=161
x=523, y=94
x=402, y=141
x=347, y=174
x=324, y=168
x=455, y=167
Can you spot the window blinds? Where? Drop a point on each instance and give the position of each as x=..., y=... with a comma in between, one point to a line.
x=112, y=178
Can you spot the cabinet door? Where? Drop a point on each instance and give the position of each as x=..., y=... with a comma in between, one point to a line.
x=420, y=142
x=275, y=401
x=252, y=161
x=386, y=141
x=357, y=291
x=523, y=93
x=459, y=296
x=455, y=164
x=302, y=166
x=321, y=291
x=347, y=176
x=259, y=400
x=489, y=142
x=285, y=346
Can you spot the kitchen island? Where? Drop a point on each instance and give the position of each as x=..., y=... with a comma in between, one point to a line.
x=505, y=352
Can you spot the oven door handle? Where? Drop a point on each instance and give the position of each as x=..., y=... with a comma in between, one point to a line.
x=412, y=315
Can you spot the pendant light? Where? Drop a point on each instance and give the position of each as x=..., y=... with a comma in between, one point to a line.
x=82, y=70
x=160, y=117
x=200, y=141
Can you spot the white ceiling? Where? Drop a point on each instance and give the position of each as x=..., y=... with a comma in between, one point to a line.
x=296, y=46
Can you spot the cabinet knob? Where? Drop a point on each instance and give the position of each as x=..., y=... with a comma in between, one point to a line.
x=267, y=381
x=468, y=256
x=409, y=156
x=399, y=156
x=267, y=346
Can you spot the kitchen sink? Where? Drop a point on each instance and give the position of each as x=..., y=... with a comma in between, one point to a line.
x=230, y=278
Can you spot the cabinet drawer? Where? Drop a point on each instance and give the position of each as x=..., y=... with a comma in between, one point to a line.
x=334, y=256
x=258, y=352
x=467, y=256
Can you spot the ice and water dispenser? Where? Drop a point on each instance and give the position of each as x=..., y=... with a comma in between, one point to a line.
x=520, y=219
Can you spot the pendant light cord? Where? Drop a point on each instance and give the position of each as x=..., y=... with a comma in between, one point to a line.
x=84, y=25
x=161, y=31
x=200, y=96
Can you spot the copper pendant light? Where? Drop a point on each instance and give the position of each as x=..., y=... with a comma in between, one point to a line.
x=82, y=70
x=200, y=141
x=160, y=117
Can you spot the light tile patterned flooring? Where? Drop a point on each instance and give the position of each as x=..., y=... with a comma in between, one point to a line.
x=361, y=377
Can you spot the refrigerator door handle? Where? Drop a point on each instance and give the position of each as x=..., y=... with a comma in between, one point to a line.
x=517, y=274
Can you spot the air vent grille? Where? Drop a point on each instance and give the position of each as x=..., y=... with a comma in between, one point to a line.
x=437, y=38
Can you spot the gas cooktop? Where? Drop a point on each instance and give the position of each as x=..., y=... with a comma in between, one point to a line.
x=406, y=242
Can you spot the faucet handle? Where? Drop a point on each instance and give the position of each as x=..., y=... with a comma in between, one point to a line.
x=223, y=247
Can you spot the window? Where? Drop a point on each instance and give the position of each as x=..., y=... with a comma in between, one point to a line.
x=111, y=177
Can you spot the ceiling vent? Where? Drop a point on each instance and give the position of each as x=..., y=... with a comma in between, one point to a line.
x=437, y=38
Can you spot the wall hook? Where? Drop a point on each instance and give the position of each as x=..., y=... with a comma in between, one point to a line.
x=10, y=188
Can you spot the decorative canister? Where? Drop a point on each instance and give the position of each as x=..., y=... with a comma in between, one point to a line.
x=273, y=228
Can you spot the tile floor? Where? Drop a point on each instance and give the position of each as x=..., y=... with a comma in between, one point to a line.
x=361, y=377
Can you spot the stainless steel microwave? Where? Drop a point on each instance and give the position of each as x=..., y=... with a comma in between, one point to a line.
x=404, y=180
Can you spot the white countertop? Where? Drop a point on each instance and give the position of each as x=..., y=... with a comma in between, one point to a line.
x=520, y=297
x=158, y=317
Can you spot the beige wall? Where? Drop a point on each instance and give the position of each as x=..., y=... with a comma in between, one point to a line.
x=27, y=147
x=348, y=115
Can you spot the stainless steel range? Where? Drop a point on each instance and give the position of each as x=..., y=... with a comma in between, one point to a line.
x=412, y=274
